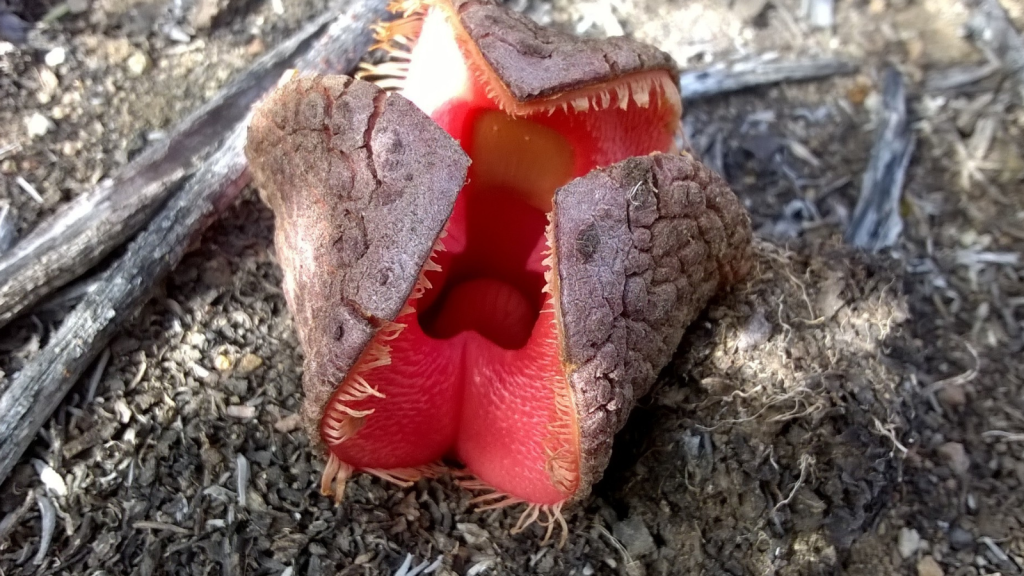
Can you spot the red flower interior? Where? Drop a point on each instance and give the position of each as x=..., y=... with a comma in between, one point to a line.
x=472, y=368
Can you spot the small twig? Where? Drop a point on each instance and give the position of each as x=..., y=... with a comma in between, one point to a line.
x=888, y=433
x=241, y=479
x=8, y=149
x=973, y=257
x=11, y=520
x=1004, y=435
x=876, y=222
x=151, y=525
x=49, y=515
x=97, y=375
x=38, y=389
x=805, y=462
x=403, y=570
x=959, y=379
x=434, y=566
x=28, y=189
x=759, y=71
x=626, y=558
x=995, y=549
x=8, y=227
x=425, y=567
x=959, y=76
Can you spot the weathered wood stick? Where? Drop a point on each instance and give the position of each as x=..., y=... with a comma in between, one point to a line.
x=960, y=76
x=757, y=71
x=876, y=222
x=89, y=227
x=38, y=389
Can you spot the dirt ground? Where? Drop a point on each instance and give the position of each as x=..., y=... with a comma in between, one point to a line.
x=839, y=413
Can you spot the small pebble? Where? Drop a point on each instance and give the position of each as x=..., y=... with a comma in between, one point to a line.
x=288, y=424
x=635, y=536
x=137, y=63
x=124, y=413
x=55, y=57
x=200, y=372
x=195, y=339
x=256, y=47
x=755, y=332
x=38, y=125
x=908, y=542
x=927, y=566
x=248, y=364
x=952, y=396
x=473, y=534
x=70, y=148
x=960, y=539
x=222, y=362
x=953, y=455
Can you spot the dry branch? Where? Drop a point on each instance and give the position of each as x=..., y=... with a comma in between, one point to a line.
x=88, y=228
x=37, y=390
x=758, y=71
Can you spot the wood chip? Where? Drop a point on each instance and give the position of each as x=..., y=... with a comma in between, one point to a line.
x=242, y=412
x=288, y=424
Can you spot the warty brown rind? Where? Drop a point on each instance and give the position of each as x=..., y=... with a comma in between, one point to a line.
x=361, y=184
x=641, y=247
x=537, y=62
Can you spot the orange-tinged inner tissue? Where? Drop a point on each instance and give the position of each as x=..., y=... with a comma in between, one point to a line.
x=472, y=368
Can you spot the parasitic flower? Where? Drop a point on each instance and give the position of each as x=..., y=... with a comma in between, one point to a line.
x=490, y=264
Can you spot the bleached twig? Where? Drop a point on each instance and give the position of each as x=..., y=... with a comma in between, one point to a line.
x=876, y=222
x=759, y=71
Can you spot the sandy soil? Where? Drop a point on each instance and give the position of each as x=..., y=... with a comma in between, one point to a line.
x=839, y=413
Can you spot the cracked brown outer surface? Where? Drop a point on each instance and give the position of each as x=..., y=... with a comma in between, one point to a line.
x=536, y=62
x=361, y=184
x=641, y=247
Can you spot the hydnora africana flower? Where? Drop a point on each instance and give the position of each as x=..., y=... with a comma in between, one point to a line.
x=491, y=250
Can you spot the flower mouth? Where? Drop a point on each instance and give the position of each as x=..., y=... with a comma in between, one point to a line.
x=492, y=272
x=474, y=366
x=492, y=278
